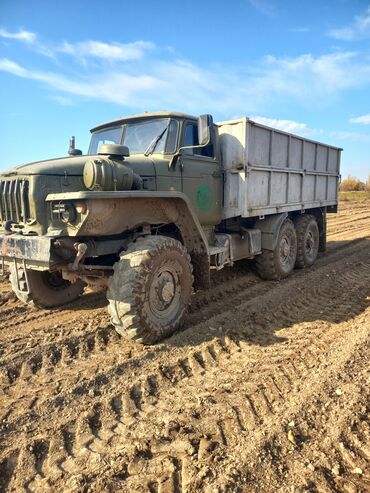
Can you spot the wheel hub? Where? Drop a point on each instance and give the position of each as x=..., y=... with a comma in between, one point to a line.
x=285, y=249
x=164, y=291
x=168, y=291
x=309, y=243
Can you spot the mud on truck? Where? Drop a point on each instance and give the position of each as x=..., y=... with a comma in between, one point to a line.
x=159, y=201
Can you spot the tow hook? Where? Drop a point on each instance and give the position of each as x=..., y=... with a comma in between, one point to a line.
x=81, y=250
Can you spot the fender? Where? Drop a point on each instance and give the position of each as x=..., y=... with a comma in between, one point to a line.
x=113, y=212
x=270, y=227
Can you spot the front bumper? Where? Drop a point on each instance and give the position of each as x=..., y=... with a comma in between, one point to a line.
x=32, y=251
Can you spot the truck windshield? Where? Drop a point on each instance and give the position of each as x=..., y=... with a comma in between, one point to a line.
x=106, y=136
x=147, y=136
x=140, y=137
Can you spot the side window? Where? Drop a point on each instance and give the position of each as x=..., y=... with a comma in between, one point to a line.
x=191, y=139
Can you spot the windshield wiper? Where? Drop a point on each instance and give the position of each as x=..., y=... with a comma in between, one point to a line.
x=151, y=147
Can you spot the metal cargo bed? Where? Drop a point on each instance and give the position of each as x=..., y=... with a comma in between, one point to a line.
x=267, y=171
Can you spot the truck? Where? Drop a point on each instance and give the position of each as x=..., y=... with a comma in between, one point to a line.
x=159, y=201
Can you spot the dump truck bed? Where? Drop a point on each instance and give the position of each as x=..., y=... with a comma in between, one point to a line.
x=267, y=171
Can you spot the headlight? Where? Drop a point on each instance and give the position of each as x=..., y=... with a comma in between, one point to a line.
x=65, y=212
x=69, y=214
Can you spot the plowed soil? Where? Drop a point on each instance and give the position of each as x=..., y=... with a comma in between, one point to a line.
x=266, y=389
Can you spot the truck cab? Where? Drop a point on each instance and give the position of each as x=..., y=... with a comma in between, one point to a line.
x=176, y=161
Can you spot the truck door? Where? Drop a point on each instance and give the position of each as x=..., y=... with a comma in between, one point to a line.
x=201, y=175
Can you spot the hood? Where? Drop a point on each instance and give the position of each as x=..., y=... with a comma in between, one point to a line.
x=72, y=166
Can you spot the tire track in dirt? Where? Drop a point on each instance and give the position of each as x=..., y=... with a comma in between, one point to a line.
x=361, y=231
x=18, y=314
x=48, y=358
x=134, y=403
x=350, y=223
x=328, y=449
x=92, y=342
x=111, y=416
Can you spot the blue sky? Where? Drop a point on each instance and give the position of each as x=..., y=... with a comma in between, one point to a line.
x=68, y=66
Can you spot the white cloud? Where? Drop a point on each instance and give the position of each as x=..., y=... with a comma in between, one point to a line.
x=155, y=82
x=107, y=51
x=263, y=6
x=117, y=88
x=290, y=126
x=349, y=136
x=312, y=77
x=85, y=49
x=13, y=68
x=358, y=29
x=302, y=129
x=62, y=101
x=30, y=38
x=305, y=79
x=363, y=119
x=21, y=35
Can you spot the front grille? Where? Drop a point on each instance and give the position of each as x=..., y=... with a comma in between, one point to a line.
x=14, y=204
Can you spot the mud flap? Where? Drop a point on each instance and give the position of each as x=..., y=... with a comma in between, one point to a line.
x=22, y=284
x=270, y=228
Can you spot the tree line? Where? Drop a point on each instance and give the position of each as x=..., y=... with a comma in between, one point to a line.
x=353, y=184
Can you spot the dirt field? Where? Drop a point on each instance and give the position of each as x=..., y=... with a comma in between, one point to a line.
x=265, y=390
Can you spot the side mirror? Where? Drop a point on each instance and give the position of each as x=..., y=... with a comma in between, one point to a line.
x=204, y=133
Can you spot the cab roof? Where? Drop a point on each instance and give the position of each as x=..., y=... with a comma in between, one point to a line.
x=146, y=115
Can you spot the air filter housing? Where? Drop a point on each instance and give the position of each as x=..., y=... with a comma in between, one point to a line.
x=106, y=173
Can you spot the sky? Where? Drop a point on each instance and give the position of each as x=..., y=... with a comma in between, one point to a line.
x=67, y=66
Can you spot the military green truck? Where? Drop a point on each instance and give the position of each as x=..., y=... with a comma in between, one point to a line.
x=160, y=200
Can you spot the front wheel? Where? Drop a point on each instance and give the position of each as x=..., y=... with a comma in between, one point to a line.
x=45, y=289
x=149, y=292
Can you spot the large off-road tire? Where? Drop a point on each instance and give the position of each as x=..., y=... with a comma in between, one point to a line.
x=278, y=263
x=46, y=289
x=149, y=292
x=308, y=240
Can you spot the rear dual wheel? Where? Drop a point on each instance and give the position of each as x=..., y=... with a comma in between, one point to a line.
x=308, y=238
x=279, y=263
x=296, y=247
